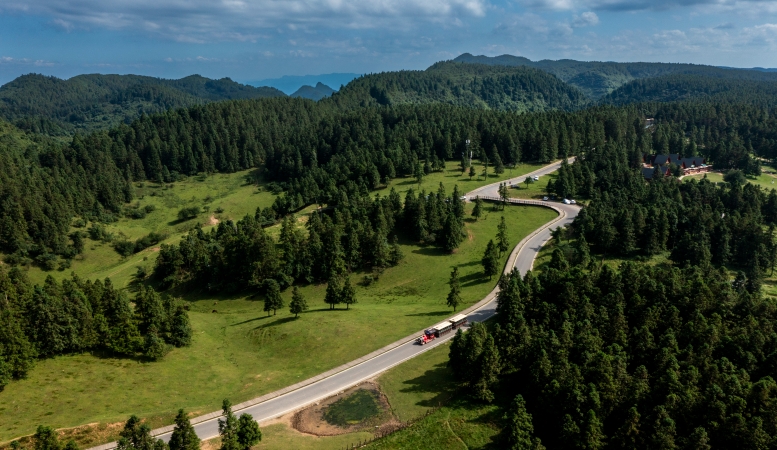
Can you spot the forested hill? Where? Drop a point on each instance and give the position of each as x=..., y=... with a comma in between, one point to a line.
x=597, y=79
x=89, y=102
x=520, y=89
x=678, y=87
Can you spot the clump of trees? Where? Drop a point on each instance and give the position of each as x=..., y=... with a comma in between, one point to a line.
x=78, y=315
x=353, y=235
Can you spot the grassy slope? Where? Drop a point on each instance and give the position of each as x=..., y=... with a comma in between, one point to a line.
x=239, y=353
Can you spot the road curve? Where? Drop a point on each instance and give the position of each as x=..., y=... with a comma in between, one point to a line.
x=336, y=380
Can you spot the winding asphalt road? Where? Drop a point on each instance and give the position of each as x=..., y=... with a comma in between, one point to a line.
x=336, y=380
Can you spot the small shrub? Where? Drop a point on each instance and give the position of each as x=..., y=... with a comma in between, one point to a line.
x=219, y=210
x=124, y=248
x=149, y=208
x=79, y=223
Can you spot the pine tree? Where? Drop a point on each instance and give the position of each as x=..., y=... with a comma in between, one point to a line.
x=137, y=436
x=228, y=428
x=333, y=292
x=418, y=173
x=184, y=437
x=452, y=232
x=298, y=303
x=488, y=368
x=477, y=211
x=248, y=433
x=501, y=236
x=395, y=252
x=454, y=296
x=519, y=429
x=348, y=293
x=45, y=438
x=472, y=172
x=491, y=260
x=273, y=300
x=592, y=435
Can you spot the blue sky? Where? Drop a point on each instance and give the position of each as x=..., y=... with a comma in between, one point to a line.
x=255, y=39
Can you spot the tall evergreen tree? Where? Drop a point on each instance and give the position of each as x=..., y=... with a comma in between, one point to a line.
x=184, y=437
x=490, y=260
x=348, y=293
x=298, y=303
x=477, y=211
x=273, y=300
x=454, y=296
x=333, y=294
x=228, y=428
x=503, y=242
x=519, y=429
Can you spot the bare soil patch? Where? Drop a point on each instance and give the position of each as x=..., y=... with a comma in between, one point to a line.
x=311, y=419
x=213, y=221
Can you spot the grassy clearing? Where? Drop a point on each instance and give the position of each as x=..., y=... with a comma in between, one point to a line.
x=533, y=191
x=239, y=353
x=767, y=180
x=452, y=176
x=232, y=193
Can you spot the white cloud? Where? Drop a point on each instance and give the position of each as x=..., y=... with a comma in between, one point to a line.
x=7, y=60
x=586, y=19
x=745, y=6
x=205, y=20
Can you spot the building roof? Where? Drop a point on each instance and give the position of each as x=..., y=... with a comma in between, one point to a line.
x=693, y=161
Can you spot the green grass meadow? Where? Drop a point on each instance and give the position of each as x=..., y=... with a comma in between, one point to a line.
x=240, y=353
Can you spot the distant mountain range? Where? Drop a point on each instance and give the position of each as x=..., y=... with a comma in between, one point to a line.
x=289, y=84
x=597, y=79
x=316, y=93
x=88, y=102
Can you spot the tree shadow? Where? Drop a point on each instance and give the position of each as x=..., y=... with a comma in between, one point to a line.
x=437, y=381
x=473, y=277
x=251, y=320
x=276, y=323
x=476, y=282
x=429, y=314
x=430, y=251
x=471, y=263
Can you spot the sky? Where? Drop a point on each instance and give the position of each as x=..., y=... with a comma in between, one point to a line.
x=255, y=39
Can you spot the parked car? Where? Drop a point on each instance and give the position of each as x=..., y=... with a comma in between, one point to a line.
x=567, y=202
x=573, y=202
x=545, y=198
x=536, y=178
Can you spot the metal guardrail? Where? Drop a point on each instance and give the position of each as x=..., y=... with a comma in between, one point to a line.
x=516, y=201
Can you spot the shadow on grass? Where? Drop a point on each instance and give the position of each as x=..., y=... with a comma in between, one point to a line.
x=276, y=323
x=251, y=320
x=429, y=314
x=430, y=251
x=438, y=381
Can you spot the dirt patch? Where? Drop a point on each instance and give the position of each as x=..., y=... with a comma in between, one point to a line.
x=311, y=419
x=213, y=221
x=84, y=435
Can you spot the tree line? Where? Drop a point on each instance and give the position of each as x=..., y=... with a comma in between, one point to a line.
x=79, y=315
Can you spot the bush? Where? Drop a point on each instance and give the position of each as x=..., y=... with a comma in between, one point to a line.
x=188, y=213
x=124, y=247
x=149, y=208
